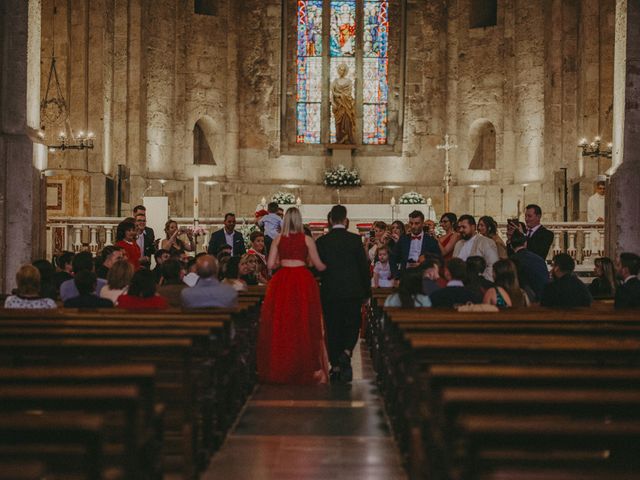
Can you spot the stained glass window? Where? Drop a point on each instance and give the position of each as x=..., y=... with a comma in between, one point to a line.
x=366, y=59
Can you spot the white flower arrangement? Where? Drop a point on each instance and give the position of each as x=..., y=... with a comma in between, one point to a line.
x=246, y=229
x=439, y=231
x=412, y=198
x=197, y=230
x=283, y=198
x=341, y=177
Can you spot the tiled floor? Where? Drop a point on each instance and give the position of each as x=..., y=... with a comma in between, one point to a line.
x=311, y=433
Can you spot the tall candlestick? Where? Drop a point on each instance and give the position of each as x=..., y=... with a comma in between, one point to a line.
x=196, y=191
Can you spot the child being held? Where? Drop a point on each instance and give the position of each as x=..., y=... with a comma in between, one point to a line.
x=382, y=270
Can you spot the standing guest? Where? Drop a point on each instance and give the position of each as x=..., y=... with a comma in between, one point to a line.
x=566, y=290
x=227, y=236
x=64, y=269
x=345, y=285
x=171, y=284
x=232, y=275
x=506, y=292
x=280, y=212
x=411, y=249
x=118, y=280
x=431, y=280
x=396, y=230
x=488, y=227
x=109, y=255
x=476, y=266
x=455, y=293
x=142, y=293
x=148, y=231
x=628, y=293
x=82, y=261
x=595, y=204
x=145, y=240
x=539, y=239
x=471, y=244
x=533, y=274
x=605, y=283
x=449, y=223
x=126, y=239
x=409, y=293
x=382, y=276
x=47, y=287
x=86, y=282
x=208, y=292
x=176, y=239
x=27, y=294
x=161, y=255
x=272, y=224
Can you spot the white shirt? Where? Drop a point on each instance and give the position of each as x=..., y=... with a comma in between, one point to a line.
x=467, y=246
x=140, y=242
x=384, y=274
x=455, y=283
x=595, y=207
x=229, y=239
x=532, y=230
x=415, y=248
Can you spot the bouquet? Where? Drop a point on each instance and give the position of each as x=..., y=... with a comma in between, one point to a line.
x=196, y=230
x=412, y=198
x=341, y=177
x=246, y=229
x=283, y=198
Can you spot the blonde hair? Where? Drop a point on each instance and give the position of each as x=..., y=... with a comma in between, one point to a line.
x=248, y=256
x=28, y=279
x=292, y=222
x=120, y=275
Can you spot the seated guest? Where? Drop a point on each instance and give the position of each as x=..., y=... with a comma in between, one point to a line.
x=232, y=275
x=488, y=227
x=382, y=276
x=248, y=270
x=566, y=290
x=431, y=279
x=126, y=235
x=605, y=283
x=208, y=292
x=476, y=282
x=455, y=293
x=161, y=255
x=409, y=292
x=63, y=270
x=258, y=249
x=533, y=274
x=142, y=293
x=171, y=284
x=82, y=262
x=191, y=277
x=85, y=282
x=109, y=255
x=27, y=295
x=224, y=250
x=506, y=292
x=118, y=280
x=628, y=294
x=47, y=287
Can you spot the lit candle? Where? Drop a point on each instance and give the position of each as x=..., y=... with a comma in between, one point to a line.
x=393, y=201
x=196, y=183
x=263, y=201
x=298, y=201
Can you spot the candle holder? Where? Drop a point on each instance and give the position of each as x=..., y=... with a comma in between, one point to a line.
x=81, y=142
x=594, y=149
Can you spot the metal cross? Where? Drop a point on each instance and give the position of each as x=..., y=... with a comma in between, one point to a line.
x=446, y=146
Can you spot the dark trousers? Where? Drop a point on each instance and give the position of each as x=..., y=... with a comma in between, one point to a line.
x=342, y=320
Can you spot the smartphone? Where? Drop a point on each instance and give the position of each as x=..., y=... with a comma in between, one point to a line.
x=372, y=233
x=514, y=221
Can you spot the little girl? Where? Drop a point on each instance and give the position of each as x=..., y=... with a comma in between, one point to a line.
x=382, y=269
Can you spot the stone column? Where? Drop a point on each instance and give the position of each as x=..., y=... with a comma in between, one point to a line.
x=623, y=196
x=22, y=218
x=233, y=122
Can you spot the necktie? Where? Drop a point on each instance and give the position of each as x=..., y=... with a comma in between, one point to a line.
x=416, y=237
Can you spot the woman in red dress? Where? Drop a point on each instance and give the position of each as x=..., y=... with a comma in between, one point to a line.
x=448, y=222
x=126, y=239
x=291, y=347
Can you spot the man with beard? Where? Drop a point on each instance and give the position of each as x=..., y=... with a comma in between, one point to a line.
x=472, y=244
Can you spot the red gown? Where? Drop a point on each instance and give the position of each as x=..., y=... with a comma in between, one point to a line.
x=291, y=348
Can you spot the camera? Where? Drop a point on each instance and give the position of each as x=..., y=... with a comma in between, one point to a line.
x=372, y=233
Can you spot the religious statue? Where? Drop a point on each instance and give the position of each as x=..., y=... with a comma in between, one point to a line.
x=343, y=107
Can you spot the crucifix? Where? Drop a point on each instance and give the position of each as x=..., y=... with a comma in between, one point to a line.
x=446, y=146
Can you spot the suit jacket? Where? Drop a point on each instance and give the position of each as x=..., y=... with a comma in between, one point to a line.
x=209, y=292
x=532, y=271
x=218, y=239
x=347, y=276
x=482, y=247
x=540, y=242
x=628, y=294
x=568, y=291
x=401, y=252
x=447, y=297
x=149, y=242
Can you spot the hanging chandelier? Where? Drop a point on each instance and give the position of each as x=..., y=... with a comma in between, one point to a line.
x=55, y=111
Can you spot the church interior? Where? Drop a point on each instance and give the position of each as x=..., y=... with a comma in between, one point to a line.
x=205, y=107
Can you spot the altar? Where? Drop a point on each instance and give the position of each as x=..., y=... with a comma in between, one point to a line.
x=365, y=213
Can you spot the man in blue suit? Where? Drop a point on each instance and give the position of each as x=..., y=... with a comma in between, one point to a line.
x=227, y=236
x=411, y=249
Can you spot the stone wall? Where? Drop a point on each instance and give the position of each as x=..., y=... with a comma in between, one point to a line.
x=141, y=73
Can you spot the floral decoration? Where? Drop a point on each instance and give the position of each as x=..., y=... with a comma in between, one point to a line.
x=283, y=198
x=412, y=198
x=342, y=177
x=246, y=229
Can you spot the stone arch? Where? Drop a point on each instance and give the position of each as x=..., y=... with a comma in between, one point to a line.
x=482, y=143
x=203, y=131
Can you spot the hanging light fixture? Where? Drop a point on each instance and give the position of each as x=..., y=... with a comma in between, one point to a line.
x=54, y=109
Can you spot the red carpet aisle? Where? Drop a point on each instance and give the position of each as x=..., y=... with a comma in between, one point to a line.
x=311, y=433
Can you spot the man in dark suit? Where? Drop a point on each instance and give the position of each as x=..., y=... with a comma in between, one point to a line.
x=410, y=248
x=533, y=274
x=628, y=294
x=566, y=290
x=148, y=248
x=539, y=238
x=227, y=236
x=346, y=283
x=455, y=293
